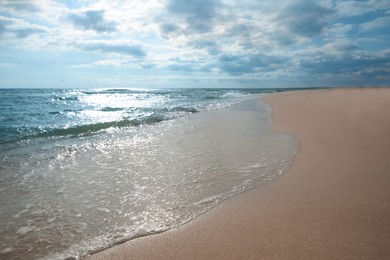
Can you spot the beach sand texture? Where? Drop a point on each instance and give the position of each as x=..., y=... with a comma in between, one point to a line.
x=333, y=203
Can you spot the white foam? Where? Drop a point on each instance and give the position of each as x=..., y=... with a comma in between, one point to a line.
x=24, y=230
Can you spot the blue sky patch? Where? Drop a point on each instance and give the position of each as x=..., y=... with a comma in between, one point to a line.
x=194, y=43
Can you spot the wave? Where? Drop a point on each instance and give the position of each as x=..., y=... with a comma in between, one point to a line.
x=15, y=135
x=149, y=120
x=80, y=130
x=110, y=91
x=55, y=113
x=98, y=127
x=11, y=135
x=111, y=109
x=211, y=97
x=71, y=98
x=182, y=109
x=234, y=95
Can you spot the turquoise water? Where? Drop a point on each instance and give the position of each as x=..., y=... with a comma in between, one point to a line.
x=82, y=170
x=28, y=113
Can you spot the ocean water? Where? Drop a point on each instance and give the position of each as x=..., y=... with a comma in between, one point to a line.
x=83, y=170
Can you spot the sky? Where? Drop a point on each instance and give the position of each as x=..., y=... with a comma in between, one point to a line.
x=194, y=43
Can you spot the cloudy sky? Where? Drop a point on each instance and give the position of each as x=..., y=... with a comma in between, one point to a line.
x=194, y=43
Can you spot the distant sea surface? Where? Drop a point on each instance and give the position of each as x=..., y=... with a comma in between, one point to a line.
x=82, y=170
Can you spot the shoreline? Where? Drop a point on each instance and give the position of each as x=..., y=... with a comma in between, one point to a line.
x=331, y=203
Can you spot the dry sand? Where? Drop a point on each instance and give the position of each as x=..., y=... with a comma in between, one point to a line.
x=333, y=203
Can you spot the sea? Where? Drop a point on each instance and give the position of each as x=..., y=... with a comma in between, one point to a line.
x=82, y=170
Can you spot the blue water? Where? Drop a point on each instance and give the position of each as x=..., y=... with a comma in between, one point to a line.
x=82, y=170
x=29, y=113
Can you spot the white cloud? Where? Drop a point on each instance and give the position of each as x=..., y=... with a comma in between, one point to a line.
x=381, y=22
x=12, y=29
x=348, y=8
x=92, y=20
x=20, y=6
x=229, y=38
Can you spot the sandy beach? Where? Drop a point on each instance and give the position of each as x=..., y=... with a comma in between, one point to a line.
x=333, y=203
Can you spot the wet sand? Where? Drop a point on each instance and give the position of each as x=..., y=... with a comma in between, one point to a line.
x=333, y=203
